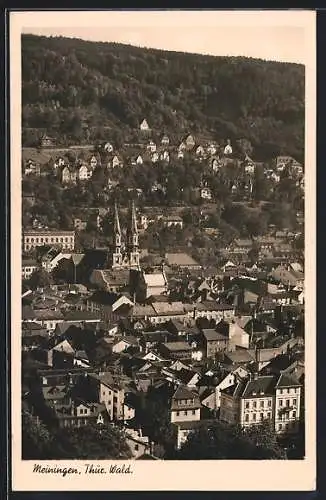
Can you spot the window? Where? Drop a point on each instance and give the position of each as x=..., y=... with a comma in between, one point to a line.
x=287, y=402
x=261, y=416
x=247, y=418
x=294, y=414
x=178, y=413
x=194, y=412
x=261, y=403
x=254, y=404
x=185, y=412
x=281, y=391
x=280, y=427
x=247, y=404
x=269, y=415
x=280, y=403
x=254, y=417
x=136, y=447
x=269, y=402
x=294, y=402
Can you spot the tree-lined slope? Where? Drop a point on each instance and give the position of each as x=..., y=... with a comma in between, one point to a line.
x=79, y=91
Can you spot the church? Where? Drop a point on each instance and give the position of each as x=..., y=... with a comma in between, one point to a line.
x=125, y=254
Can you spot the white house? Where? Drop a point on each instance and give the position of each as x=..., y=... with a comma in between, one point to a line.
x=144, y=125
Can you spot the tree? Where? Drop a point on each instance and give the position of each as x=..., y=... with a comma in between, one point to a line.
x=40, y=279
x=92, y=442
x=36, y=438
x=222, y=441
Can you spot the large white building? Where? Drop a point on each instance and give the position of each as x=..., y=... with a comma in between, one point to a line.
x=38, y=237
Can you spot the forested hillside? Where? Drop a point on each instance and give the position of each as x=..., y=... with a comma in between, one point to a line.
x=81, y=92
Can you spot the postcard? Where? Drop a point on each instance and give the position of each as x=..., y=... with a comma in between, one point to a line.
x=163, y=235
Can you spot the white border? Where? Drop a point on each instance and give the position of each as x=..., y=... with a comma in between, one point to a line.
x=170, y=475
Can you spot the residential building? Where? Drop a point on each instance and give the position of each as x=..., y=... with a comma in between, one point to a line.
x=112, y=393
x=213, y=342
x=28, y=267
x=275, y=398
x=185, y=405
x=145, y=284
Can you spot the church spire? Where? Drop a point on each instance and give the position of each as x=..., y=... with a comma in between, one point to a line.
x=134, y=228
x=117, y=229
x=133, y=244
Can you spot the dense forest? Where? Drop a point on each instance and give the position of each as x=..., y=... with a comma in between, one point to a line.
x=81, y=92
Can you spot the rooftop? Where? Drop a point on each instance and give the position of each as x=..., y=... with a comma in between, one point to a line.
x=180, y=259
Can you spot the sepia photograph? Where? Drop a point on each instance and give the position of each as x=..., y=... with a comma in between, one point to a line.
x=164, y=164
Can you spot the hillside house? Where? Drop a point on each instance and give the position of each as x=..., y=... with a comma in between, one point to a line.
x=173, y=221
x=151, y=146
x=200, y=151
x=93, y=162
x=165, y=141
x=68, y=175
x=46, y=141
x=165, y=156
x=155, y=157
x=211, y=149
x=228, y=148
x=206, y=193
x=29, y=266
x=32, y=168
x=115, y=162
x=190, y=142
x=144, y=126
x=215, y=165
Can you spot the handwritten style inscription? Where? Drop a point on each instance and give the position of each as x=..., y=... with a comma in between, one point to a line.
x=83, y=469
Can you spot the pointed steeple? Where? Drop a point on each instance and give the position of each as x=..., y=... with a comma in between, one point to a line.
x=132, y=238
x=117, y=229
x=134, y=228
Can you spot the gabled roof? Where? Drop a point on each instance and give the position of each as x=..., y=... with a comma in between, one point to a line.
x=183, y=392
x=286, y=380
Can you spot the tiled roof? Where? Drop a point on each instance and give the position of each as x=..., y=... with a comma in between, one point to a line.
x=154, y=279
x=212, y=335
x=163, y=308
x=262, y=385
x=180, y=259
x=177, y=346
x=183, y=392
x=80, y=316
